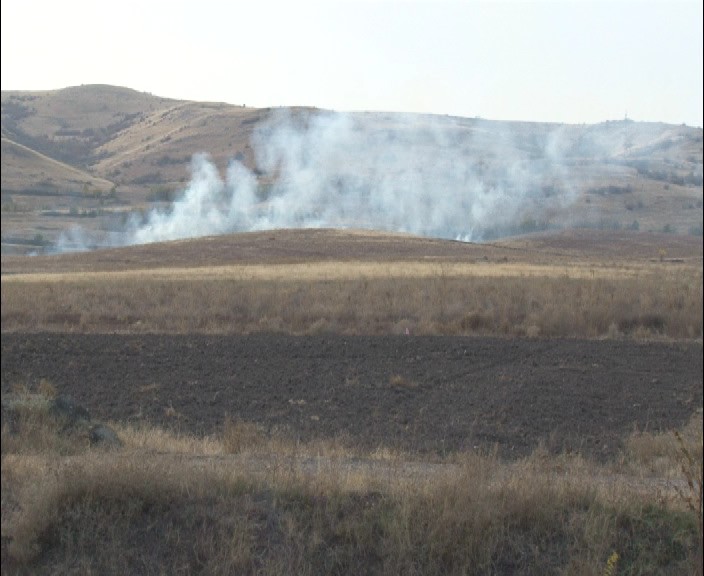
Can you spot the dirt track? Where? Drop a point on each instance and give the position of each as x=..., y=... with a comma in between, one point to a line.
x=427, y=394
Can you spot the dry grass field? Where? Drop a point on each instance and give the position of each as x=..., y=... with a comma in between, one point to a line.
x=317, y=402
x=313, y=281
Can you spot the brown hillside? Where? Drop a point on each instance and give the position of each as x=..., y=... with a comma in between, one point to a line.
x=132, y=138
x=82, y=142
x=21, y=165
x=310, y=246
x=157, y=149
x=70, y=124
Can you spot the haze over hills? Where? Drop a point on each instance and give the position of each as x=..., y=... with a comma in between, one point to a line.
x=113, y=161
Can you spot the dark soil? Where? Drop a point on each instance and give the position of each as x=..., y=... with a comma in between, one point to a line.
x=422, y=394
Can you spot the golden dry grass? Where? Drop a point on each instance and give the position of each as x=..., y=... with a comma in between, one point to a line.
x=280, y=507
x=345, y=271
x=306, y=281
x=643, y=300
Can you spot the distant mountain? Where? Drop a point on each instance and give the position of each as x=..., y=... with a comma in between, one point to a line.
x=104, y=148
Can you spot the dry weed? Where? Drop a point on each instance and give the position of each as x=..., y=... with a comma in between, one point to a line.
x=415, y=298
x=250, y=502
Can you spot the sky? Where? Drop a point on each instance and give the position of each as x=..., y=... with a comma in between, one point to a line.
x=570, y=61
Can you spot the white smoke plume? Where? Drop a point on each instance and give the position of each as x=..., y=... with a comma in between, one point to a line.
x=208, y=206
x=428, y=175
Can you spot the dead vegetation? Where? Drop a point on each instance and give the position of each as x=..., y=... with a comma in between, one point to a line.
x=365, y=298
x=360, y=282
x=170, y=504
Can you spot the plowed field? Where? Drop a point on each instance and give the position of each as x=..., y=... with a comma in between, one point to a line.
x=421, y=394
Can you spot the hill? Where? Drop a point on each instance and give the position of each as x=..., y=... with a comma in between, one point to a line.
x=297, y=247
x=21, y=165
x=92, y=155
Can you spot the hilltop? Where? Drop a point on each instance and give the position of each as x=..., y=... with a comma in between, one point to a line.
x=90, y=155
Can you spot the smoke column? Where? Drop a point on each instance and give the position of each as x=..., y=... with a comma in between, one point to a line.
x=428, y=175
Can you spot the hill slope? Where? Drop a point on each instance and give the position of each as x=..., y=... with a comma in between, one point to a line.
x=78, y=144
x=23, y=167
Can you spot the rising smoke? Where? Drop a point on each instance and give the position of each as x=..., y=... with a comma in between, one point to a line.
x=428, y=175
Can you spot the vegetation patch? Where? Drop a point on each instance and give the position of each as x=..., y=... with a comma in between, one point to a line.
x=153, y=508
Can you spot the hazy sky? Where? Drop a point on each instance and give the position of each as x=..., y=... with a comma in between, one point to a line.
x=570, y=61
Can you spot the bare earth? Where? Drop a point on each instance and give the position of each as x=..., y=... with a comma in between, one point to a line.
x=421, y=394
